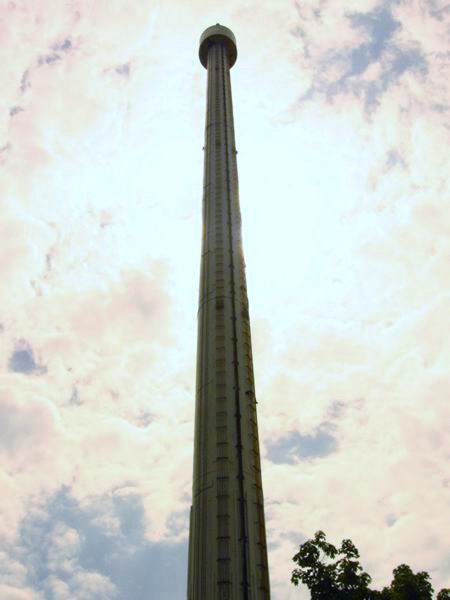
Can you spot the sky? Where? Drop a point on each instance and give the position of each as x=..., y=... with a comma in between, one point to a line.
x=342, y=115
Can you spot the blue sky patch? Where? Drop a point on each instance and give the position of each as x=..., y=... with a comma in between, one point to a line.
x=380, y=25
x=132, y=563
x=381, y=47
x=294, y=447
x=22, y=360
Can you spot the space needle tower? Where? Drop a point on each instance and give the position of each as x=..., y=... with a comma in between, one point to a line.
x=227, y=539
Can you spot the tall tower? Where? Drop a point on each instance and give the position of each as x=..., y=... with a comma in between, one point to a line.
x=227, y=542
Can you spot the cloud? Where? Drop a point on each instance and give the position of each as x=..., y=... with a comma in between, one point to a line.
x=122, y=335
x=63, y=62
x=51, y=551
x=68, y=551
x=13, y=580
x=365, y=66
x=10, y=593
x=25, y=422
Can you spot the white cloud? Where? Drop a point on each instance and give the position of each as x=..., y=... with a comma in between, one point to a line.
x=11, y=593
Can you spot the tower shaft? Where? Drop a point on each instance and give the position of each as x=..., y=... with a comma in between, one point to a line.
x=227, y=543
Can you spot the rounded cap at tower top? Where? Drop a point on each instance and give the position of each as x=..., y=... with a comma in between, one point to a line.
x=217, y=33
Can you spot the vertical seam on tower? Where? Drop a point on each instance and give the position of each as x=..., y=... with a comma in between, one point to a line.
x=204, y=351
x=235, y=348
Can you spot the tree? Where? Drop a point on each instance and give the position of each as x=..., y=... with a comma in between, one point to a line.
x=332, y=573
x=409, y=586
x=327, y=580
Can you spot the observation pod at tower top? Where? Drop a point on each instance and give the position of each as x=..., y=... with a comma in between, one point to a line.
x=217, y=33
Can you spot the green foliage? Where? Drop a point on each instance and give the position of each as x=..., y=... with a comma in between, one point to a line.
x=332, y=573
x=407, y=585
x=329, y=579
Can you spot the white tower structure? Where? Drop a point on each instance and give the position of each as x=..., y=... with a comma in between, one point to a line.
x=227, y=542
